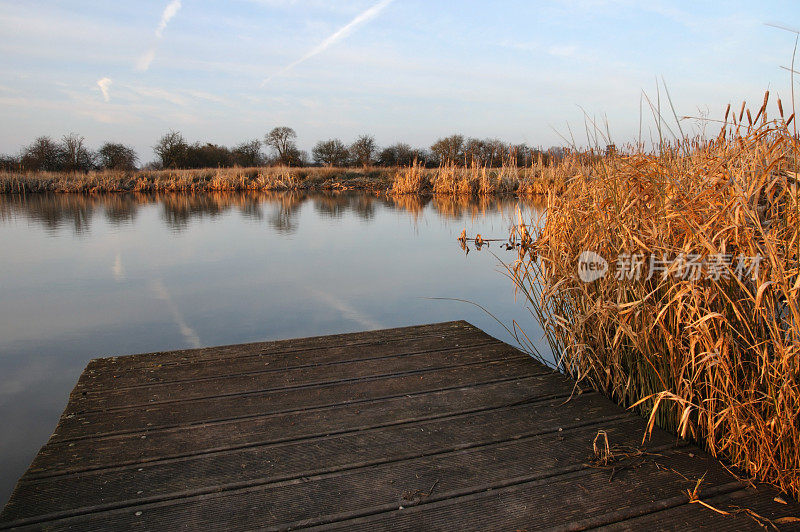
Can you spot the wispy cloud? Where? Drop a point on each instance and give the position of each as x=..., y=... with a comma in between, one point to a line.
x=104, y=84
x=170, y=11
x=144, y=61
x=342, y=33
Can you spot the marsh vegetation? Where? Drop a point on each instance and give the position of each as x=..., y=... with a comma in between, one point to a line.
x=713, y=356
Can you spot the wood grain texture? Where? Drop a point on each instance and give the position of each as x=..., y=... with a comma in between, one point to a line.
x=436, y=427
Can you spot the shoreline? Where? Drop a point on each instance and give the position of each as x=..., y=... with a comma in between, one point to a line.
x=449, y=180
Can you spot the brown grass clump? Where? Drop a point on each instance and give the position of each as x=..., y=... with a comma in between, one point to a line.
x=474, y=180
x=540, y=179
x=713, y=356
x=411, y=180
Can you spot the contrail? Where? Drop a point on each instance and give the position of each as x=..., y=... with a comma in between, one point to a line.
x=342, y=33
x=143, y=63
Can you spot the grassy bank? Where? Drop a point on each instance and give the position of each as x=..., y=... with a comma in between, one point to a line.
x=713, y=355
x=451, y=180
x=204, y=180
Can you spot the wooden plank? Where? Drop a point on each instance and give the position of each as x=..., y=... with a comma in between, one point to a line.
x=429, y=427
x=91, y=425
x=748, y=509
x=285, y=347
x=577, y=500
x=121, y=375
x=377, y=488
x=175, y=442
x=258, y=382
x=314, y=456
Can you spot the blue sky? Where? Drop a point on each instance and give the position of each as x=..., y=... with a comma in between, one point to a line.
x=407, y=70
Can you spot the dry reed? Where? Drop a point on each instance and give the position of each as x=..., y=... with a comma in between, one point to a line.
x=536, y=179
x=201, y=180
x=715, y=356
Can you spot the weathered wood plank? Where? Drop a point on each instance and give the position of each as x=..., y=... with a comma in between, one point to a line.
x=577, y=500
x=381, y=487
x=195, y=411
x=284, y=347
x=457, y=428
x=223, y=385
x=747, y=509
x=162, y=369
x=175, y=442
x=211, y=472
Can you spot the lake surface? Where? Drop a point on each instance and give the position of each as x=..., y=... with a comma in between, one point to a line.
x=89, y=276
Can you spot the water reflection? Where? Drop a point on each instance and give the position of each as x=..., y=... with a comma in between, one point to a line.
x=279, y=209
x=97, y=275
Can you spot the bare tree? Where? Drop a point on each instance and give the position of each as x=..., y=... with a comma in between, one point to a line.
x=115, y=156
x=9, y=163
x=363, y=150
x=399, y=154
x=449, y=149
x=207, y=155
x=281, y=139
x=43, y=154
x=248, y=154
x=76, y=158
x=331, y=153
x=171, y=149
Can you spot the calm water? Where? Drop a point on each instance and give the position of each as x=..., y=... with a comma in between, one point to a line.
x=82, y=277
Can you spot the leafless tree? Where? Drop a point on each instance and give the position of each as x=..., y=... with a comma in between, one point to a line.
x=281, y=139
x=43, y=154
x=449, y=149
x=399, y=154
x=248, y=154
x=115, y=156
x=363, y=150
x=171, y=149
x=331, y=153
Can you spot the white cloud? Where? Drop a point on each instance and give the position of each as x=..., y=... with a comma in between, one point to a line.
x=170, y=11
x=160, y=94
x=143, y=63
x=342, y=33
x=104, y=84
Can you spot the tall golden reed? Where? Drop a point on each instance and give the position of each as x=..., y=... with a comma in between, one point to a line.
x=715, y=358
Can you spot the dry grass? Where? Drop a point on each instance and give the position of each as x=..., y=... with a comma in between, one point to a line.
x=537, y=179
x=223, y=179
x=450, y=180
x=411, y=180
x=717, y=360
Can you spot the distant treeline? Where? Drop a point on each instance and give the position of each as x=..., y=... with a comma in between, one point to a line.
x=70, y=154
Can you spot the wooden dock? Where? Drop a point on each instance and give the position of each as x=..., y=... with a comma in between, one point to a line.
x=437, y=427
